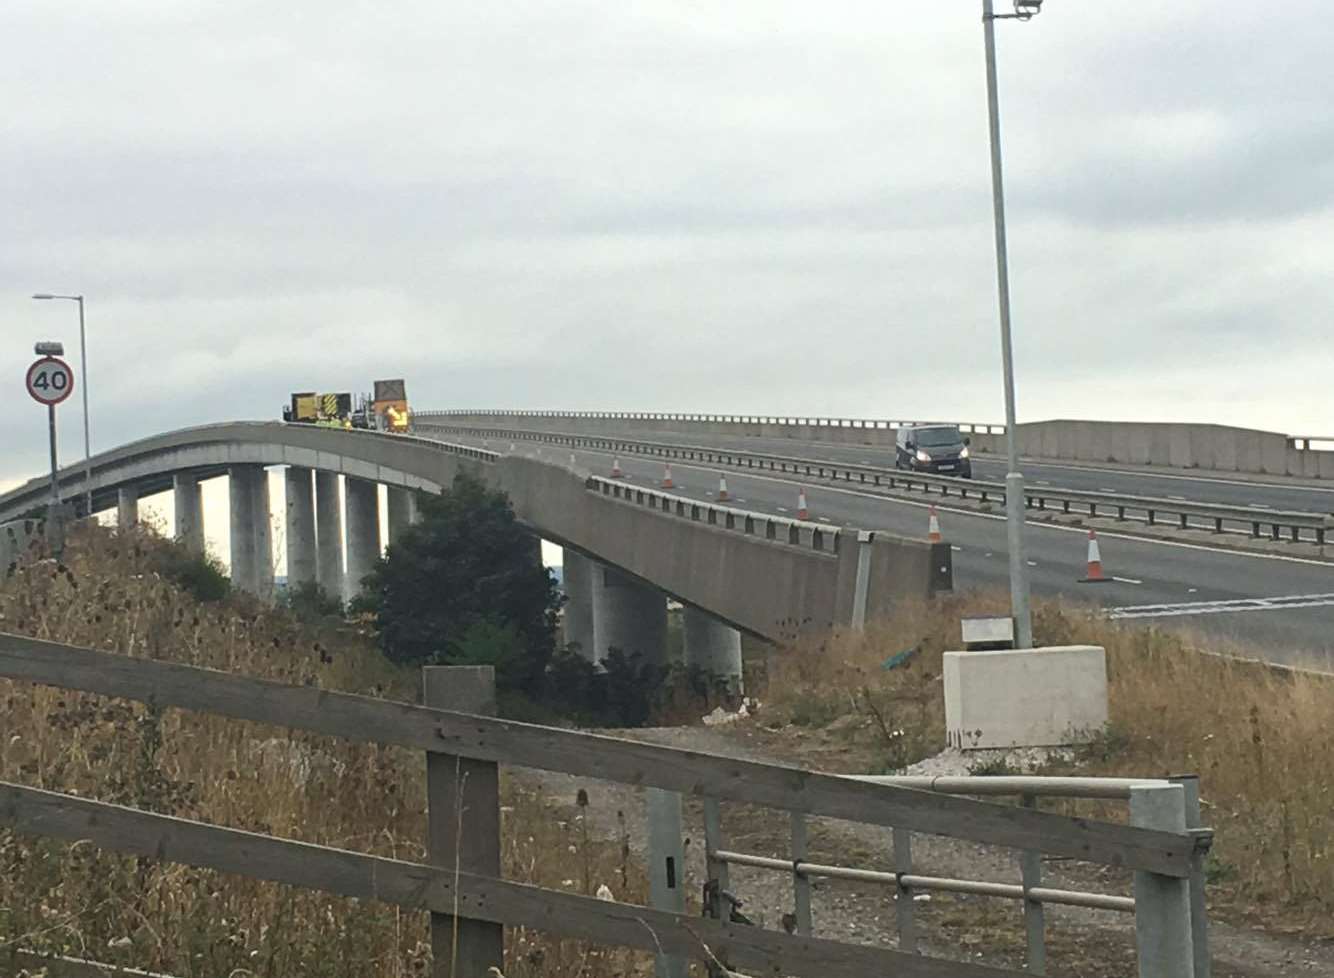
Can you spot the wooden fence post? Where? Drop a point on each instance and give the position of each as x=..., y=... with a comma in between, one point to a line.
x=463, y=823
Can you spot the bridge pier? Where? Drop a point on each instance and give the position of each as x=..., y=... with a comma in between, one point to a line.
x=300, y=527
x=713, y=647
x=189, y=520
x=577, y=573
x=361, y=517
x=127, y=507
x=402, y=511
x=250, y=530
x=328, y=535
x=629, y=616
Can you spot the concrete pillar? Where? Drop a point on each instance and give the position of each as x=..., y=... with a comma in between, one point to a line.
x=577, y=572
x=251, y=538
x=362, y=519
x=328, y=535
x=629, y=616
x=402, y=511
x=300, y=527
x=713, y=647
x=127, y=507
x=189, y=528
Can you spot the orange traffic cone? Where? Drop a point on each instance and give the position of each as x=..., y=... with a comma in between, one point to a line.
x=722, y=488
x=803, y=511
x=933, y=526
x=667, y=477
x=616, y=472
x=1094, y=574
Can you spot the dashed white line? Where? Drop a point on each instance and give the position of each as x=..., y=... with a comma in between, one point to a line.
x=1188, y=608
x=782, y=509
x=957, y=550
x=823, y=519
x=1032, y=563
x=1127, y=580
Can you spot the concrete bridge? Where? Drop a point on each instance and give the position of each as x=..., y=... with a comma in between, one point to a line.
x=626, y=549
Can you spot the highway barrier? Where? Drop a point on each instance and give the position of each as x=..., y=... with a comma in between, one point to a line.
x=1206, y=447
x=1149, y=510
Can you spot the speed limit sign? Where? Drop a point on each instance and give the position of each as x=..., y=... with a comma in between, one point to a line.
x=50, y=381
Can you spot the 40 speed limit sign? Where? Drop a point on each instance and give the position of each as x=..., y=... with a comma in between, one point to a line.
x=50, y=381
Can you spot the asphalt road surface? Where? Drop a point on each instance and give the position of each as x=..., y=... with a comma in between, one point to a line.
x=1277, y=606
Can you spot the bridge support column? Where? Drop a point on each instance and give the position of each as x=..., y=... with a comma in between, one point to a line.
x=127, y=507
x=402, y=511
x=251, y=534
x=189, y=521
x=361, y=516
x=300, y=527
x=328, y=535
x=577, y=574
x=628, y=616
x=713, y=647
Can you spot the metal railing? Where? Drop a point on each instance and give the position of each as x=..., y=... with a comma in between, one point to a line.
x=906, y=883
x=806, y=421
x=1149, y=510
x=801, y=533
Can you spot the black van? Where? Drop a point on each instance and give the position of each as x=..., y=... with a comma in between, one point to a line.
x=935, y=448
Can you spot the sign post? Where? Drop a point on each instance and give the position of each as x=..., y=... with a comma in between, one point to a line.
x=50, y=380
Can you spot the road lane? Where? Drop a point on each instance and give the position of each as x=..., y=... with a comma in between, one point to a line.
x=1137, y=481
x=1168, y=572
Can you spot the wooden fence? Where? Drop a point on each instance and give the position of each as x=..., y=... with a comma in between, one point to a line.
x=463, y=751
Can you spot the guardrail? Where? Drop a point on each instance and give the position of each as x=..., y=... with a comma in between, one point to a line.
x=1151, y=511
x=801, y=533
x=462, y=888
x=872, y=423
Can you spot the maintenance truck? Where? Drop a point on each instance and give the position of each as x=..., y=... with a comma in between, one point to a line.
x=385, y=410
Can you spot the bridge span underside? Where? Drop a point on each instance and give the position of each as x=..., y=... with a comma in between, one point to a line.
x=627, y=552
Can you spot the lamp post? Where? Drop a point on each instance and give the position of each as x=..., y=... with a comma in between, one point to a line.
x=1014, y=479
x=83, y=369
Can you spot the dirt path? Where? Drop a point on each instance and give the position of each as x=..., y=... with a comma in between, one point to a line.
x=1084, y=943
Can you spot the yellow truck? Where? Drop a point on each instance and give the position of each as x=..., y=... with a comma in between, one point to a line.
x=386, y=410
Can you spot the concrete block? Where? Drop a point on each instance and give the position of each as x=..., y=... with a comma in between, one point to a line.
x=1025, y=698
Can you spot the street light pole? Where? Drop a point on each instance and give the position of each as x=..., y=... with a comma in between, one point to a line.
x=1014, y=479
x=83, y=368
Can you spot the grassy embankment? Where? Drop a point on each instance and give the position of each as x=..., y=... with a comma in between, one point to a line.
x=1261, y=740
x=121, y=594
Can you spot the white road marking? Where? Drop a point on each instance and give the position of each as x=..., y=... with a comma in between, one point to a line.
x=1043, y=482
x=1032, y=563
x=740, y=500
x=1141, y=474
x=1180, y=499
x=1112, y=492
x=782, y=509
x=1127, y=580
x=989, y=554
x=958, y=550
x=823, y=519
x=1261, y=506
x=1192, y=590
x=1187, y=608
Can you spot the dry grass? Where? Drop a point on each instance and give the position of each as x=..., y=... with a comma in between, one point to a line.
x=79, y=901
x=1261, y=740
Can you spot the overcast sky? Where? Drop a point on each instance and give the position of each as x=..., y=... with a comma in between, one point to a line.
x=749, y=206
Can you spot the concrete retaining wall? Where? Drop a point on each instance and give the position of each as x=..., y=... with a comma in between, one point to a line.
x=1219, y=448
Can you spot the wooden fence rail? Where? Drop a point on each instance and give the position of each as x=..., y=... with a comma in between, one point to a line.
x=449, y=889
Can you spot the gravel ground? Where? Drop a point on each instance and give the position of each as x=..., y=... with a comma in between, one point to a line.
x=1085, y=943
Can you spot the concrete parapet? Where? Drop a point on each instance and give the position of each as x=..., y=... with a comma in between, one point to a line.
x=301, y=569
x=1025, y=697
x=362, y=519
x=628, y=616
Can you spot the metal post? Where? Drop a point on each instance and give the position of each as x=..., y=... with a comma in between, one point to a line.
x=903, y=896
x=87, y=436
x=1030, y=864
x=666, y=876
x=1014, y=479
x=1163, y=938
x=1199, y=910
x=862, y=585
x=55, y=531
x=801, y=883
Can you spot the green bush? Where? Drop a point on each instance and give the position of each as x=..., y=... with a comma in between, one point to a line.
x=200, y=575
